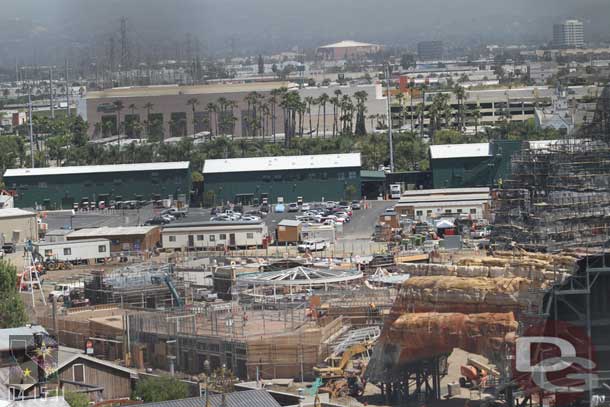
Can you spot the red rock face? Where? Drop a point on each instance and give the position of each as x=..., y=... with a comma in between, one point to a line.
x=425, y=335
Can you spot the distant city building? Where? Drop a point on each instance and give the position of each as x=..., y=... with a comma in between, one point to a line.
x=569, y=34
x=346, y=50
x=430, y=50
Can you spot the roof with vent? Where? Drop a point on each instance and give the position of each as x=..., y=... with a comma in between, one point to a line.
x=283, y=163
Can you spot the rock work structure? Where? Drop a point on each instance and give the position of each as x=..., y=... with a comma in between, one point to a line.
x=473, y=305
x=464, y=295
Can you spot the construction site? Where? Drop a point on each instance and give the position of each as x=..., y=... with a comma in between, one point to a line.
x=386, y=330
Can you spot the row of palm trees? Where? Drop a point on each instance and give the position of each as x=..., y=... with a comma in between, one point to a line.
x=440, y=112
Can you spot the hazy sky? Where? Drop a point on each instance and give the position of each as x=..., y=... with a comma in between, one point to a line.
x=44, y=27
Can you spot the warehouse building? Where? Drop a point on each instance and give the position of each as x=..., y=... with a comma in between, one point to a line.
x=215, y=235
x=62, y=187
x=123, y=238
x=311, y=177
x=471, y=165
x=17, y=225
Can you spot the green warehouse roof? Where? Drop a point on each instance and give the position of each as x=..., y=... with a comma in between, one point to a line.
x=95, y=169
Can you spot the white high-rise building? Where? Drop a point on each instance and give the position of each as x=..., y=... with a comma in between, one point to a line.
x=569, y=34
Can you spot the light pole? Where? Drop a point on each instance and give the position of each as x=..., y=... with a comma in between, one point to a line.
x=390, y=139
x=206, y=368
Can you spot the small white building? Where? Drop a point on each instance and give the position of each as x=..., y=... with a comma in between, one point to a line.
x=17, y=225
x=424, y=205
x=94, y=250
x=212, y=235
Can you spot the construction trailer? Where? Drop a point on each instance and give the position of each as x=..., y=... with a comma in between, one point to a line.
x=215, y=235
x=318, y=232
x=95, y=250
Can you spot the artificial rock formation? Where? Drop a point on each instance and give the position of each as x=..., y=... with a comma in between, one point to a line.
x=416, y=337
x=463, y=295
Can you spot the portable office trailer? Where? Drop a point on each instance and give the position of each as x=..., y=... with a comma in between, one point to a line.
x=214, y=235
x=75, y=250
x=289, y=231
x=318, y=232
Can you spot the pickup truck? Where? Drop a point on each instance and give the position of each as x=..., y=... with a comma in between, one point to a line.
x=62, y=292
x=312, y=246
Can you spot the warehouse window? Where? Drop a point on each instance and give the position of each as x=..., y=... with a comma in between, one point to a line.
x=447, y=210
x=473, y=211
x=42, y=184
x=459, y=211
x=250, y=235
x=67, y=251
x=324, y=175
x=340, y=176
x=118, y=181
x=352, y=175
x=419, y=213
x=101, y=248
x=266, y=178
x=48, y=252
x=199, y=237
x=222, y=237
x=429, y=212
x=172, y=238
x=212, y=238
x=277, y=177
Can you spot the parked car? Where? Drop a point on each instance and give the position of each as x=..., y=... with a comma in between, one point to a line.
x=343, y=215
x=174, y=212
x=356, y=205
x=157, y=220
x=293, y=207
x=305, y=207
x=9, y=247
x=280, y=208
x=312, y=246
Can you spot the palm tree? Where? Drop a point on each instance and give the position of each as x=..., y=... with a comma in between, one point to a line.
x=211, y=108
x=309, y=100
x=336, y=104
x=252, y=99
x=476, y=115
x=361, y=97
x=323, y=100
x=132, y=109
x=192, y=102
x=118, y=107
x=460, y=94
x=148, y=106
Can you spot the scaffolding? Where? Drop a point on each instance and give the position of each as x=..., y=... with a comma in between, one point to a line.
x=558, y=196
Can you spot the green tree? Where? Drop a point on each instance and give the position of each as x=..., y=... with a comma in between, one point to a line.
x=161, y=388
x=12, y=310
x=351, y=192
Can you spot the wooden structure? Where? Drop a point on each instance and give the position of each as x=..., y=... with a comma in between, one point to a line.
x=289, y=231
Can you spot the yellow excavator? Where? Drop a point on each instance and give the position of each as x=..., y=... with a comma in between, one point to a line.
x=343, y=375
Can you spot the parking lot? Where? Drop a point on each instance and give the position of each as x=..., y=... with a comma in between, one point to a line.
x=359, y=228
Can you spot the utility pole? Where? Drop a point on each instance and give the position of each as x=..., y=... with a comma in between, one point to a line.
x=67, y=92
x=31, y=120
x=51, y=92
x=390, y=138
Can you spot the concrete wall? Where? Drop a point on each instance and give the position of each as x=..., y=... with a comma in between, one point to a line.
x=19, y=229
